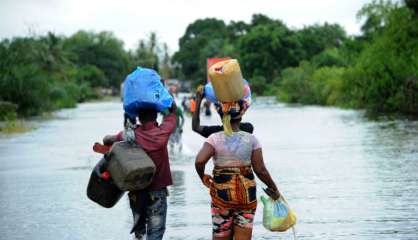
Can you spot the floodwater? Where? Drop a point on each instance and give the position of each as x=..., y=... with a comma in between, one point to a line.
x=346, y=177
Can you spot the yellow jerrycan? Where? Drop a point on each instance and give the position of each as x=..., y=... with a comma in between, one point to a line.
x=227, y=80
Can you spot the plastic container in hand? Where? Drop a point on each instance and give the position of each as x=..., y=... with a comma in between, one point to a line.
x=227, y=81
x=277, y=215
x=130, y=167
x=101, y=189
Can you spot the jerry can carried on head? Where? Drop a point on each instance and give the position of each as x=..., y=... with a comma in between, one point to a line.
x=227, y=81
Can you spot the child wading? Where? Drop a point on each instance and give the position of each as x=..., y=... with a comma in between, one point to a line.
x=149, y=206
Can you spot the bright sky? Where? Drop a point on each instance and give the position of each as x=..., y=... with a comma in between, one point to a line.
x=132, y=20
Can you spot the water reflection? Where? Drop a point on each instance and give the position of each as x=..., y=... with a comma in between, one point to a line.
x=177, y=191
x=345, y=176
x=177, y=200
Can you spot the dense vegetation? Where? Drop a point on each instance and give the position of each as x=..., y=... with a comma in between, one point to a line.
x=318, y=64
x=43, y=73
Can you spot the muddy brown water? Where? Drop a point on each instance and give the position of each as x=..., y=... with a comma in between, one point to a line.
x=345, y=176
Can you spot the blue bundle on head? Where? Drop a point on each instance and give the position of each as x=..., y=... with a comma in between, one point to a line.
x=143, y=90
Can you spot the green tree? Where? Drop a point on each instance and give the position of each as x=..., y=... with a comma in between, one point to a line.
x=384, y=77
x=23, y=79
x=102, y=50
x=295, y=84
x=376, y=15
x=49, y=72
x=267, y=49
x=316, y=38
x=203, y=39
x=166, y=70
x=412, y=4
x=326, y=83
x=329, y=57
x=235, y=30
x=146, y=54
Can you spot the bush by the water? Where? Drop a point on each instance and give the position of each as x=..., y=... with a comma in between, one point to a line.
x=309, y=85
x=318, y=64
x=7, y=111
x=36, y=76
x=382, y=78
x=44, y=73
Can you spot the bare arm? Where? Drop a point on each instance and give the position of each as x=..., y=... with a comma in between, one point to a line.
x=169, y=121
x=181, y=121
x=202, y=158
x=196, y=115
x=263, y=174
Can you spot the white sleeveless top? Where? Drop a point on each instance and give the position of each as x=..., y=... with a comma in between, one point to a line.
x=233, y=151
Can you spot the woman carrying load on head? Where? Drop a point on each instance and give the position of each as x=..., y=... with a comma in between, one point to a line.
x=232, y=187
x=206, y=131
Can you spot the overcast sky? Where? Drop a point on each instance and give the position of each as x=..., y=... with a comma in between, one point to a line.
x=132, y=20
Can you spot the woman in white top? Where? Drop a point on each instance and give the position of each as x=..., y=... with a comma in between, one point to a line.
x=232, y=186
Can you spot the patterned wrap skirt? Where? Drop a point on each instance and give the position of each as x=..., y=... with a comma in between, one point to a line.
x=234, y=188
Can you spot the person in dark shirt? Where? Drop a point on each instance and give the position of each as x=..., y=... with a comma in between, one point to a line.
x=149, y=206
x=206, y=105
x=206, y=131
x=185, y=105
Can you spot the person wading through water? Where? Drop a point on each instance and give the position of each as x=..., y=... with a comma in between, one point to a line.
x=149, y=206
x=206, y=131
x=175, y=137
x=232, y=186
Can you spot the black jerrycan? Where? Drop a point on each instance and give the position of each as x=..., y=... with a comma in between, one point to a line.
x=101, y=189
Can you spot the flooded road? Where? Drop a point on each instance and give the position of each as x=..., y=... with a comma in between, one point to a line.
x=345, y=176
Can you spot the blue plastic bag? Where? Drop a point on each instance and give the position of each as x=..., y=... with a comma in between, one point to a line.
x=143, y=89
x=210, y=93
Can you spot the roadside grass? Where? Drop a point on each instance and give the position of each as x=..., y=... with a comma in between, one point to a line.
x=9, y=127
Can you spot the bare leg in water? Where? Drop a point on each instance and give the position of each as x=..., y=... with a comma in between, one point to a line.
x=242, y=233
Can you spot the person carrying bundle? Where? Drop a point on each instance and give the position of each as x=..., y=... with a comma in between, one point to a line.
x=208, y=92
x=144, y=97
x=236, y=154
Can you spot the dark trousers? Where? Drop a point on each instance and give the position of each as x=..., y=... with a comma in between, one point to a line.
x=149, y=209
